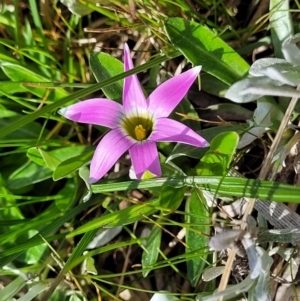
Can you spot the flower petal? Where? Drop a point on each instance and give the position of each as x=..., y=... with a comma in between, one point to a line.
x=144, y=156
x=113, y=145
x=99, y=111
x=164, y=99
x=133, y=95
x=168, y=130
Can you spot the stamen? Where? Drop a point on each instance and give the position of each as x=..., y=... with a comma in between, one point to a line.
x=140, y=132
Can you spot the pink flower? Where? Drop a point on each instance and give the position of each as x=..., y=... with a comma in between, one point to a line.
x=138, y=124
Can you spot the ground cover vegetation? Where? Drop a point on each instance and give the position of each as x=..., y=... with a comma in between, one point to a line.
x=149, y=150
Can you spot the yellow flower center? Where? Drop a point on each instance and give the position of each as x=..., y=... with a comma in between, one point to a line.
x=140, y=132
x=138, y=128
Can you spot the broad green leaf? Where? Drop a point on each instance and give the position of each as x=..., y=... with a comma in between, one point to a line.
x=225, y=143
x=105, y=66
x=34, y=155
x=202, y=47
x=72, y=164
x=62, y=160
x=11, y=87
x=6, y=113
x=217, y=159
x=29, y=173
x=51, y=161
x=170, y=197
x=197, y=233
x=151, y=251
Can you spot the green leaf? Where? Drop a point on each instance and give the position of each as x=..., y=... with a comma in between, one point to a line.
x=50, y=161
x=12, y=288
x=5, y=56
x=212, y=85
x=35, y=156
x=123, y=217
x=77, y=252
x=70, y=165
x=217, y=160
x=18, y=73
x=46, y=231
x=9, y=212
x=151, y=251
x=29, y=173
x=202, y=47
x=62, y=160
x=105, y=66
x=11, y=87
x=197, y=234
x=31, y=130
x=68, y=195
x=226, y=186
x=35, y=290
x=34, y=254
x=170, y=197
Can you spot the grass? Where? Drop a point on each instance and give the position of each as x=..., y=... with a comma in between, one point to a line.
x=122, y=239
